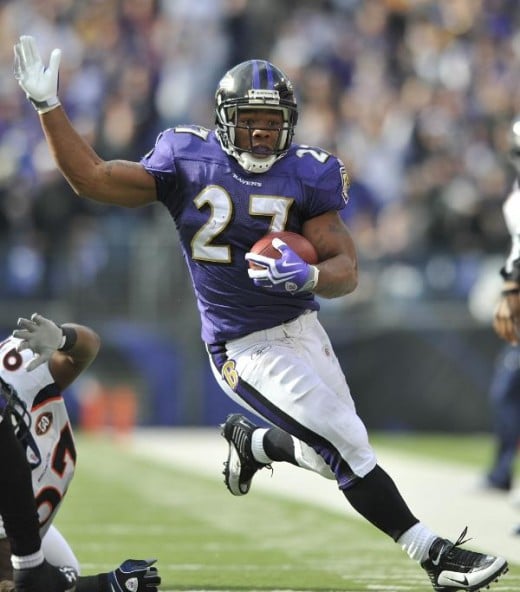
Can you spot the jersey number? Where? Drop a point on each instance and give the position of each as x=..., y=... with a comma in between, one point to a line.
x=49, y=498
x=221, y=213
x=221, y=206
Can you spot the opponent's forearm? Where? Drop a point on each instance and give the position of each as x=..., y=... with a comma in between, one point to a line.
x=83, y=343
x=78, y=352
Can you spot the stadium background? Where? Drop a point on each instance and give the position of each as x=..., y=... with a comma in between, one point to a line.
x=415, y=96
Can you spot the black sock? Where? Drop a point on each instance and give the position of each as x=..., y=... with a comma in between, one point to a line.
x=377, y=498
x=279, y=446
x=17, y=504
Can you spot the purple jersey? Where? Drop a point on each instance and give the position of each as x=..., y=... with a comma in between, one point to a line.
x=220, y=211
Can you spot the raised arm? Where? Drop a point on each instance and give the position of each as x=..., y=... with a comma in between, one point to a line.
x=68, y=349
x=116, y=182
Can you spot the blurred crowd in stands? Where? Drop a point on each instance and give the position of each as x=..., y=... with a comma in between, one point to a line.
x=415, y=96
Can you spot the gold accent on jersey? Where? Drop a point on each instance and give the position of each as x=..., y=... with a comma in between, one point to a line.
x=230, y=374
x=345, y=181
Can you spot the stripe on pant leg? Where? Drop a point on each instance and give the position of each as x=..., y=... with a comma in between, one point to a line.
x=273, y=414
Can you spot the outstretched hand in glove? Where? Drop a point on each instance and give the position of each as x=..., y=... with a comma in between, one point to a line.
x=290, y=273
x=39, y=83
x=136, y=575
x=40, y=335
x=133, y=575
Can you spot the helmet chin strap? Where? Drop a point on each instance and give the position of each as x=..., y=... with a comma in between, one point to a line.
x=246, y=160
x=255, y=165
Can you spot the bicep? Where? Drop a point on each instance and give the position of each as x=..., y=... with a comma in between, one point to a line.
x=330, y=236
x=336, y=253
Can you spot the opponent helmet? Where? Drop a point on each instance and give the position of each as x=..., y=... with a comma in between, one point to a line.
x=12, y=406
x=255, y=84
x=514, y=144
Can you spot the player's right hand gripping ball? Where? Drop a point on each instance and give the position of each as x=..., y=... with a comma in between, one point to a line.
x=135, y=575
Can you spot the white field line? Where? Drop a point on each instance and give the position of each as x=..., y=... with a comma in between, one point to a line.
x=443, y=495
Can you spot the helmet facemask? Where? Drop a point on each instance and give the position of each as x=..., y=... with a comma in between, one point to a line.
x=15, y=409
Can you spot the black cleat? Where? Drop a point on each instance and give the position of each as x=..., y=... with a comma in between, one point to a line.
x=451, y=568
x=240, y=466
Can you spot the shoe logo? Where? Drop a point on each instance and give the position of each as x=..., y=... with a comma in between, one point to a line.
x=437, y=559
x=459, y=580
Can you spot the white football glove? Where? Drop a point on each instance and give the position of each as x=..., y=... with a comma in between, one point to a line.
x=39, y=83
x=40, y=335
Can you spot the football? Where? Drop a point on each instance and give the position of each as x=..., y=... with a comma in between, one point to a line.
x=298, y=243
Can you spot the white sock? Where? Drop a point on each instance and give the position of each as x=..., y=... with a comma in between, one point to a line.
x=257, y=446
x=25, y=561
x=416, y=541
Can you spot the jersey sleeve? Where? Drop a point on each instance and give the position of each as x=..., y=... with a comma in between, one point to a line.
x=160, y=163
x=330, y=191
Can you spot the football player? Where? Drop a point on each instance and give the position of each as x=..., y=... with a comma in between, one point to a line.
x=225, y=188
x=507, y=314
x=505, y=386
x=38, y=456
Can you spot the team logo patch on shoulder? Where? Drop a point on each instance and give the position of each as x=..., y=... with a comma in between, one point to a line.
x=43, y=423
x=345, y=182
x=230, y=374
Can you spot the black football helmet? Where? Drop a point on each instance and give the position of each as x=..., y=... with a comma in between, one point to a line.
x=514, y=144
x=255, y=84
x=12, y=406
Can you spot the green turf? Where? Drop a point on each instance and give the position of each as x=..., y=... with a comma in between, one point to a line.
x=475, y=450
x=204, y=539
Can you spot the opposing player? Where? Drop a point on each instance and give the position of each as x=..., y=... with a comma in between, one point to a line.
x=507, y=314
x=38, y=456
x=224, y=189
x=505, y=387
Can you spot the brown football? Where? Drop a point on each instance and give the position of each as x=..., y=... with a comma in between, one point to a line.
x=297, y=242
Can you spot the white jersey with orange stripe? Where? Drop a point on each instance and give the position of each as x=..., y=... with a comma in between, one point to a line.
x=49, y=441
